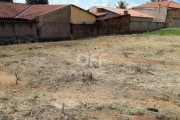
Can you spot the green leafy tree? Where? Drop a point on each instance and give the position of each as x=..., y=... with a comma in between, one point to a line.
x=122, y=5
x=158, y=0
x=7, y=0
x=37, y=2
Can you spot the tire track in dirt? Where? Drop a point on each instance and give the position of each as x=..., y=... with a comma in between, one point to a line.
x=135, y=60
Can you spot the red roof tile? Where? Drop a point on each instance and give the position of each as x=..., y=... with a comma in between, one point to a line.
x=138, y=14
x=169, y=4
x=174, y=5
x=24, y=11
x=36, y=10
x=10, y=10
x=130, y=11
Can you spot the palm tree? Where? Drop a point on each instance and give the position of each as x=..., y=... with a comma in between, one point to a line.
x=122, y=5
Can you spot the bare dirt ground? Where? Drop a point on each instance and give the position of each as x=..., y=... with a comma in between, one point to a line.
x=129, y=77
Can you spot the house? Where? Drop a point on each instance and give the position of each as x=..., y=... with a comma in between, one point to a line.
x=21, y=21
x=113, y=12
x=54, y=20
x=79, y=16
x=165, y=11
x=139, y=22
x=14, y=29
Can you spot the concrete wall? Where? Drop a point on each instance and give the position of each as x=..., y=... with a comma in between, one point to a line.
x=139, y=26
x=159, y=14
x=55, y=24
x=173, y=18
x=13, y=31
x=116, y=25
x=79, y=16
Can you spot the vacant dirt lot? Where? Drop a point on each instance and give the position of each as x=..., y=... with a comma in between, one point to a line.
x=129, y=77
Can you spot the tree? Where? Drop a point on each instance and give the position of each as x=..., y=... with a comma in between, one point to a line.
x=158, y=0
x=37, y=2
x=122, y=5
x=7, y=0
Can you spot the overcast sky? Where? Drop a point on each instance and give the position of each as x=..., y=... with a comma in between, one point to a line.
x=88, y=3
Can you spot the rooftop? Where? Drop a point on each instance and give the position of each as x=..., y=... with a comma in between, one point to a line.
x=169, y=4
x=24, y=11
x=121, y=12
x=11, y=10
x=36, y=10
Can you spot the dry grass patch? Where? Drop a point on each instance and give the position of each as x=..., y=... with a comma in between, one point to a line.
x=122, y=76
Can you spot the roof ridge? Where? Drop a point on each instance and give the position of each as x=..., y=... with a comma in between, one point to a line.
x=169, y=3
x=52, y=10
x=23, y=11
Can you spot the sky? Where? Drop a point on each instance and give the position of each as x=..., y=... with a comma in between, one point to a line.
x=86, y=4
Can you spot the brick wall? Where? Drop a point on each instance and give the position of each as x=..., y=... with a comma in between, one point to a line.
x=21, y=31
x=173, y=18
x=116, y=25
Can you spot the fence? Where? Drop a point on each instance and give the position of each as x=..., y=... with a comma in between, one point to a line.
x=24, y=31
x=116, y=25
x=142, y=26
x=17, y=31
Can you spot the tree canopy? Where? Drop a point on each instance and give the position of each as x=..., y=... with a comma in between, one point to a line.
x=122, y=5
x=157, y=0
x=37, y=2
x=7, y=0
